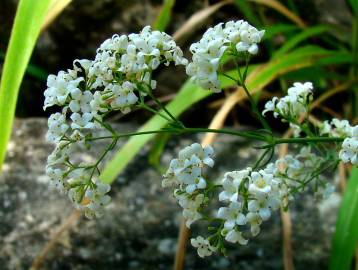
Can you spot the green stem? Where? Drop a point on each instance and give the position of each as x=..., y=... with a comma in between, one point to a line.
x=255, y=109
x=272, y=140
x=146, y=107
x=307, y=140
x=163, y=107
x=252, y=101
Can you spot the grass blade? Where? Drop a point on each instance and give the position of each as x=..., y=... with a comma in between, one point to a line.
x=345, y=238
x=248, y=13
x=164, y=15
x=274, y=4
x=273, y=30
x=297, y=39
x=55, y=9
x=28, y=20
x=197, y=19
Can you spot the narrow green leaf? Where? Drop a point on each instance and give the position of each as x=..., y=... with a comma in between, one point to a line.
x=157, y=149
x=354, y=5
x=345, y=238
x=28, y=20
x=273, y=30
x=297, y=39
x=33, y=70
x=190, y=94
x=248, y=13
x=164, y=15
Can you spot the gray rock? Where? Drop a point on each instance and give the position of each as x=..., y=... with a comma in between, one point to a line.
x=140, y=226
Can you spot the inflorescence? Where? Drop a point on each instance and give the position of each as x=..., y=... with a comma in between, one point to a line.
x=117, y=79
x=120, y=78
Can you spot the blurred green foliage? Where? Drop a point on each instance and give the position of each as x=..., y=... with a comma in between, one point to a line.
x=26, y=28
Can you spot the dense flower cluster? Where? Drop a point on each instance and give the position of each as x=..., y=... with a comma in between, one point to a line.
x=296, y=102
x=120, y=73
x=185, y=174
x=239, y=36
x=342, y=128
x=251, y=196
x=120, y=77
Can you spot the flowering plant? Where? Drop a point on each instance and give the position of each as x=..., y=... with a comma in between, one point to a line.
x=120, y=78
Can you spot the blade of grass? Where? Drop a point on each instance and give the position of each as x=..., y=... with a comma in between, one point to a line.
x=248, y=13
x=354, y=5
x=56, y=7
x=163, y=18
x=345, y=238
x=197, y=19
x=298, y=38
x=29, y=17
x=156, y=151
x=190, y=94
x=32, y=70
x=274, y=4
x=273, y=30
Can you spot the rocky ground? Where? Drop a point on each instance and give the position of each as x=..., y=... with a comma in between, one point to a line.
x=140, y=226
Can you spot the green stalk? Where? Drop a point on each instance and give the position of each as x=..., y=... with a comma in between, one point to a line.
x=244, y=134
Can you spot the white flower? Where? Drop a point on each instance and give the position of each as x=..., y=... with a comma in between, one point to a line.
x=191, y=215
x=263, y=206
x=97, y=199
x=57, y=127
x=203, y=246
x=302, y=92
x=260, y=183
x=208, y=51
x=80, y=101
x=254, y=219
x=290, y=107
x=270, y=106
x=232, y=215
x=59, y=88
x=231, y=184
x=234, y=236
x=82, y=121
x=190, y=205
x=98, y=104
x=56, y=178
x=123, y=96
x=187, y=168
x=349, y=152
x=337, y=128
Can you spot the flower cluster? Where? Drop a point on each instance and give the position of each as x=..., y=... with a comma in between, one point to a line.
x=237, y=37
x=251, y=195
x=185, y=174
x=118, y=77
x=342, y=128
x=290, y=107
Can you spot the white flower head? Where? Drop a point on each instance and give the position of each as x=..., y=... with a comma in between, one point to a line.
x=208, y=51
x=294, y=104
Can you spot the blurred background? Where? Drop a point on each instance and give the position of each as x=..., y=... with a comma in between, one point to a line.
x=38, y=227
